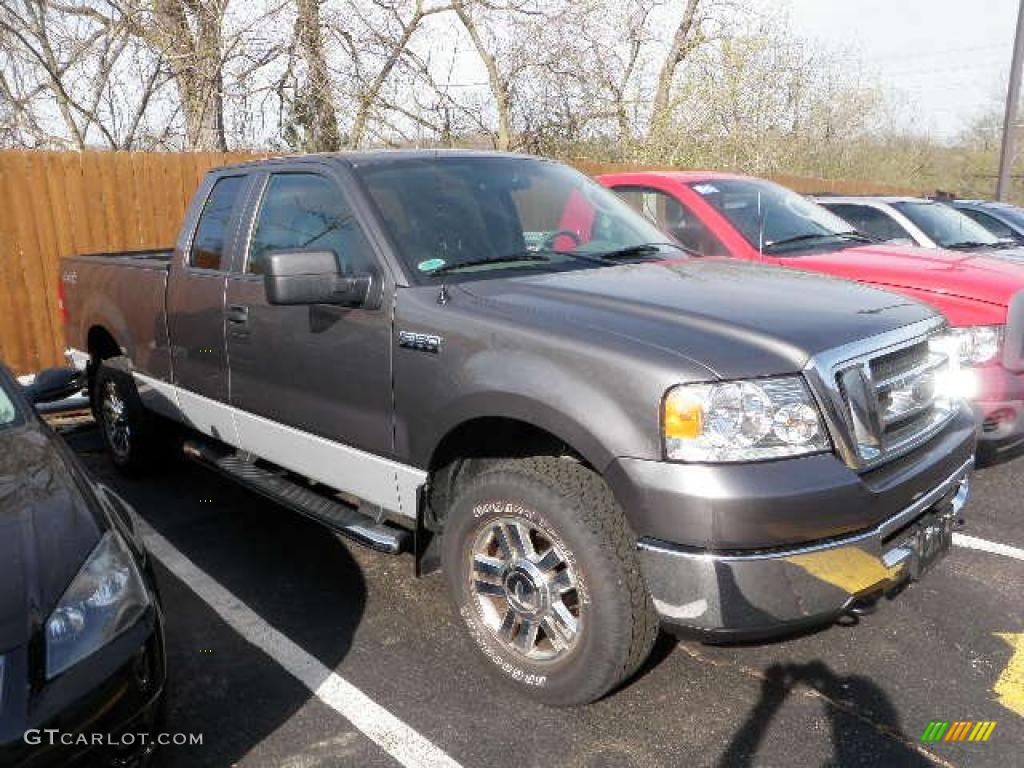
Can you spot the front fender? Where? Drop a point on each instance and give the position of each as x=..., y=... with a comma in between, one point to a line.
x=600, y=414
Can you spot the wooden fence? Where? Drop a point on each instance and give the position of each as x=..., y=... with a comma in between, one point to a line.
x=57, y=203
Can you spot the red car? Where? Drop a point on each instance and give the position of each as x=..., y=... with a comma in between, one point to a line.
x=727, y=215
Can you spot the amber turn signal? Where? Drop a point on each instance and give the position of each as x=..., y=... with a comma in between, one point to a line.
x=684, y=415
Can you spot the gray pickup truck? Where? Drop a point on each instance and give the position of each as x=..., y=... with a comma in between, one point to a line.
x=489, y=361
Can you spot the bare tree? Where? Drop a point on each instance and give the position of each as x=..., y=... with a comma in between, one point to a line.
x=686, y=37
x=498, y=82
x=189, y=35
x=384, y=44
x=189, y=32
x=314, y=108
x=96, y=77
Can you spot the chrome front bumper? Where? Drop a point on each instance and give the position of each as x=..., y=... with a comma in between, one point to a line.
x=770, y=592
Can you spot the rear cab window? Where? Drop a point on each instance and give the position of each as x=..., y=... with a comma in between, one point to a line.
x=208, y=243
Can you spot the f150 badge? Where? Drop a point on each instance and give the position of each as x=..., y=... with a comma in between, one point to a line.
x=424, y=342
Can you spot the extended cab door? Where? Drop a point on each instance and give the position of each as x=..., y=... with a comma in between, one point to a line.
x=318, y=370
x=195, y=304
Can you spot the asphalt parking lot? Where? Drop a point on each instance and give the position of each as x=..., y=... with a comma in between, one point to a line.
x=264, y=607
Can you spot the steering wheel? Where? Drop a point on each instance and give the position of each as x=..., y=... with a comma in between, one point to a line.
x=548, y=243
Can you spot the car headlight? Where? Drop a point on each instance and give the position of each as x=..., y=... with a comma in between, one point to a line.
x=742, y=421
x=973, y=344
x=106, y=597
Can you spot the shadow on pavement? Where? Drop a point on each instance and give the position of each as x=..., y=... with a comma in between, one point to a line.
x=282, y=566
x=849, y=701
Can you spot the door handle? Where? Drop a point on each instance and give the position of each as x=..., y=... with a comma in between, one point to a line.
x=236, y=313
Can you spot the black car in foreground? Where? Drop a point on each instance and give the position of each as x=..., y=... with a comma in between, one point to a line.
x=82, y=663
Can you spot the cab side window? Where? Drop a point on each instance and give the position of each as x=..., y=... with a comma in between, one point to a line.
x=306, y=212
x=207, y=250
x=671, y=216
x=869, y=221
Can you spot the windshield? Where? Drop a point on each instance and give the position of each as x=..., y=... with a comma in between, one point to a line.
x=1013, y=215
x=8, y=413
x=946, y=226
x=480, y=216
x=772, y=218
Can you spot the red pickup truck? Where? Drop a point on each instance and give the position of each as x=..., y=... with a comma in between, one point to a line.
x=728, y=215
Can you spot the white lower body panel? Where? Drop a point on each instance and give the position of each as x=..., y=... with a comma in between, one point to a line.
x=375, y=479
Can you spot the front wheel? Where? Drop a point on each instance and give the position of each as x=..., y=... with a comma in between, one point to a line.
x=542, y=567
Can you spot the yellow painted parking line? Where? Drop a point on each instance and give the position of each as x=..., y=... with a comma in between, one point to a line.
x=852, y=570
x=1009, y=688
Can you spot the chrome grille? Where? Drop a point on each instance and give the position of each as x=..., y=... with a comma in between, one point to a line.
x=901, y=361
x=885, y=396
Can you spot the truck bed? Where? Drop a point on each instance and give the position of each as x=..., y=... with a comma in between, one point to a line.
x=148, y=259
x=123, y=292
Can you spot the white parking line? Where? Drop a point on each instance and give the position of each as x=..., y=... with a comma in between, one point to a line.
x=994, y=547
x=407, y=746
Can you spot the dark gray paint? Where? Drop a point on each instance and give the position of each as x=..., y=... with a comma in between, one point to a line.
x=321, y=368
x=195, y=306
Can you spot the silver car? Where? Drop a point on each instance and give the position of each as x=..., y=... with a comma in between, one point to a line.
x=921, y=222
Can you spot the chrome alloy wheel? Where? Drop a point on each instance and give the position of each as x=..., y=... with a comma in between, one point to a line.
x=115, y=421
x=526, y=590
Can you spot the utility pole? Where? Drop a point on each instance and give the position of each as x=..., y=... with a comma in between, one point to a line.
x=1012, y=103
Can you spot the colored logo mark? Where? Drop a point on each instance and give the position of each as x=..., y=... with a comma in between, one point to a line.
x=958, y=730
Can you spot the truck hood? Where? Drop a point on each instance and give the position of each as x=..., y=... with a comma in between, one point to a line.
x=734, y=318
x=979, y=277
x=47, y=529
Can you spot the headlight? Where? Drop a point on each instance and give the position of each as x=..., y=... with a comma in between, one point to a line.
x=742, y=421
x=106, y=597
x=973, y=344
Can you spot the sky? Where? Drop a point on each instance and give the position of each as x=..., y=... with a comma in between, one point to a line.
x=949, y=58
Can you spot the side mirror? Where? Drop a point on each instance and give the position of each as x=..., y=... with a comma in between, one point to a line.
x=312, y=277
x=52, y=384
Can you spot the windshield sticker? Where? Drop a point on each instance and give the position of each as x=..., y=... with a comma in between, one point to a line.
x=430, y=265
x=705, y=189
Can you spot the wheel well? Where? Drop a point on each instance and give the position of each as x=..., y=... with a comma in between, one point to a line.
x=101, y=343
x=471, y=445
x=101, y=346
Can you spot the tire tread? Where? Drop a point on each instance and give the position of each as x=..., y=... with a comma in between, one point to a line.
x=599, y=512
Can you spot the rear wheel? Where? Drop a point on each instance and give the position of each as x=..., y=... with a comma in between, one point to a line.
x=542, y=567
x=129, y=431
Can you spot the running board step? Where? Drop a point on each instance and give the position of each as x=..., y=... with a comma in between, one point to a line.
x=337, y=516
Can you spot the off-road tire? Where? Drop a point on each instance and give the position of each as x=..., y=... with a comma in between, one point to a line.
x=570, y=506
x=147, y=437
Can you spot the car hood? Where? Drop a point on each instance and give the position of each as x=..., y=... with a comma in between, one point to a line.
x=47, y=529
x=734, y=318
x=976, y=276
x=1012, y=253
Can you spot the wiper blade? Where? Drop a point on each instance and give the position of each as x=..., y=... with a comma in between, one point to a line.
x=511, y=258
x=968, y=244
x=633, y=251
x=801, y=238
x=859, y=237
